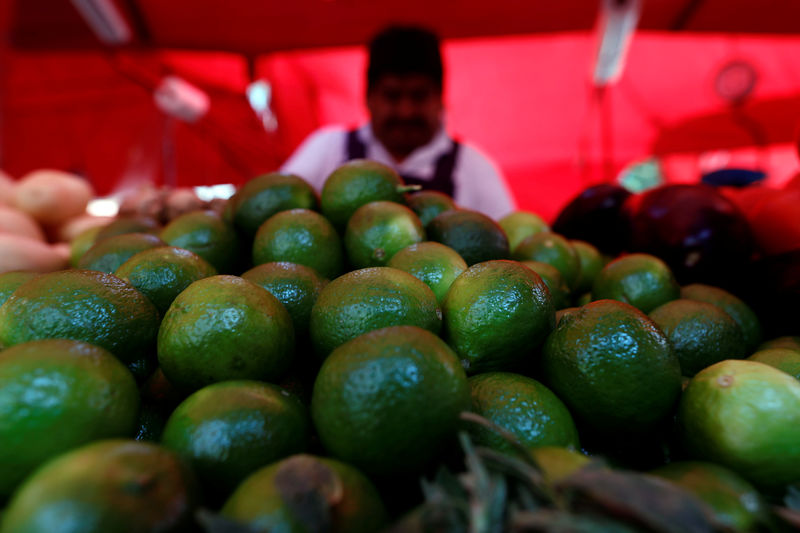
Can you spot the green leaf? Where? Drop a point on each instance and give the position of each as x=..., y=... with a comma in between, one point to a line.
x=525, y=499
x=445, y=482
x=790, y=517
x=487, y=491
x=792, y=498
x=520, y=470
x=638, y=499
x=512, y=439
x=309, y=489
x=443, y=508
x=478, y=476
x=496, y=505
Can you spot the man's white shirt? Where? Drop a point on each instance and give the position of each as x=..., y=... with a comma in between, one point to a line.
x=476, y=180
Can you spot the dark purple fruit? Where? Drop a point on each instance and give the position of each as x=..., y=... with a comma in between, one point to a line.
x=596, y=216
x=697, y=231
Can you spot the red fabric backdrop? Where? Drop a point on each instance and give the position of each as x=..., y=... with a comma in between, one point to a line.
x=524, y=100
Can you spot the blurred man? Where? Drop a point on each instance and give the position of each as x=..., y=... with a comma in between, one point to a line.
x=406, y=131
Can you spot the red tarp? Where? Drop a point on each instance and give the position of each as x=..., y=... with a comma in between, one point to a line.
x=253, y=27
x=525, y=100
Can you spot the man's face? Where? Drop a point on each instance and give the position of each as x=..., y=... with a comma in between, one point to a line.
x=405, y=110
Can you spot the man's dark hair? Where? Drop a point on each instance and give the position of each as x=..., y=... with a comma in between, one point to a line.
x=402, y=50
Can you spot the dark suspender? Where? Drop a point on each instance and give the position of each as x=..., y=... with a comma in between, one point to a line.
x=355, y=148
x=442, y=180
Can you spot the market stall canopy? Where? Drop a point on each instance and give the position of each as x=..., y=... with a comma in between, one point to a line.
x=68, y=101
x=255, y=27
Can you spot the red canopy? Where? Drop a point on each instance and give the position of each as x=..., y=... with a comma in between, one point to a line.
x=518, y=87
x=254, y=27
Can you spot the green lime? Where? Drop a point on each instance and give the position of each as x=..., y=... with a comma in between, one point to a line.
x=11, y=281
x=118, y=486
x=387, y=401
x=520, y=225
x=108, y=254
x=523, y=407
x=641, y=280
x=473, y=235
x=356, y=183
x=265, y=195
x=746, y=416
x=83, y=305
x=781, y=358
x=428, y=204
x=272, y=498
x=223, y=328
x=735, y=502
x=564, y=313
x=790, y=343
x=368, y=299
x=434, y=264
x=553, y=249
x=701, y=333
x=227, y=430
x=207, y=235
x=557, y=464
x=558, y=288
x=496, y=315
x=378, y=230
x=81, y=244
x=739, y=311
x=297, y=287
x=300, y=236
x=613, y=367
x=56, y=395
x=163, y=273
x=123, y=225
x=592, y=262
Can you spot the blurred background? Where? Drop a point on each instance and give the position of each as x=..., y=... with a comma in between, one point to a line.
x=562, y=95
